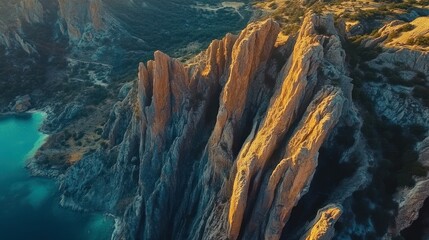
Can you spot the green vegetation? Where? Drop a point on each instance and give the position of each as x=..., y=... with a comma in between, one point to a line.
x=422, y=41
x=370, y=74
x=394, y=77
x=397, y=164
x=96, y=95
x=356, y=53
x=393, y=145
x=15, y=81
x=396, y=147
x=273, y=5
x=369, y=14
x=418, y=82
x=387, y=9
x=406, y=28
x=422, y=93
x=396, y=143
x=290, y=28
x=289, y=16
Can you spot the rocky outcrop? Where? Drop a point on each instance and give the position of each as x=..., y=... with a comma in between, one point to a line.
x=412, y=200
x=21, y=104
x=115, y=168
x=297, y=166
x=390, y=103
x=299, y=81
x=322, y=227
x=78, y=14
x=31, y=11
x=225, y=146
x=250, y=139
x=416, y=60
x=12, y=20
x=398, y=40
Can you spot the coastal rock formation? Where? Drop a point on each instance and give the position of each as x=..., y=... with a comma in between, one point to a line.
x=225, y=146
x=257, y=137
x=22, y=104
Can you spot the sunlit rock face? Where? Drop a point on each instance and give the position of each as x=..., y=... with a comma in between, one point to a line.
x=57, y=44
x=321, y=228
x=225, y=146
x=257, y=137
x=78, y=14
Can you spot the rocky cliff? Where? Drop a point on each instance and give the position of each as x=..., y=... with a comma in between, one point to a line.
x=15, y=14
x=57, y=45
x=226, y=146
x=74, y=19
x=80, y=17
x=389, y=85
x=322, y=227
x=290, y=129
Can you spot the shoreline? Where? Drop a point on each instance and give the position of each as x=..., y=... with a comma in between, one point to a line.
x=23, y=114
x=37, y=170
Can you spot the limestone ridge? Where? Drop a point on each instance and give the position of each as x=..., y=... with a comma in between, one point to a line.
x=300, y=78
x=25, y=11
x=413, y=199
x=76, y=15
x=225, y=146
x=76, y=20
x=321, y=227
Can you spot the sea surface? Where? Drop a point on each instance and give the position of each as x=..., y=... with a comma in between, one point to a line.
x=29, y=208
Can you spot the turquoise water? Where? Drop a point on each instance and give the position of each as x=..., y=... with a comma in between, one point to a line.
x=29, y=207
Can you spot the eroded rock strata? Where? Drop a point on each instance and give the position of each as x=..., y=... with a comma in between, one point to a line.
x=322, y=227
x=225, y=146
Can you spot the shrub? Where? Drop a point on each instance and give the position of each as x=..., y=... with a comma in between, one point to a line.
x=290, y=29
x=96, y=95
x=402, y=5
x=419, y=79
x=399, y=159
x=421, y=92
x=422, y=41
x=393, y=77
x=407, y=27
x=273, y=5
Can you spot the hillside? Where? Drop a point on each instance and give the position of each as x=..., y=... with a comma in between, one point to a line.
x=310, y=123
